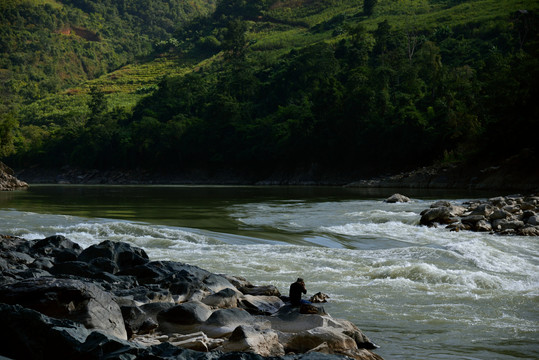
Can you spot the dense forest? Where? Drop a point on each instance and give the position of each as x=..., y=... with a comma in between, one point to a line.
x=259, y=87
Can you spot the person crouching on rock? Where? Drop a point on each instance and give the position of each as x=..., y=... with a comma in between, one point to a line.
x=296, y=289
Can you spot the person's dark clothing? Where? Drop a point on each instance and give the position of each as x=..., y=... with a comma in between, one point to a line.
x=296, y=289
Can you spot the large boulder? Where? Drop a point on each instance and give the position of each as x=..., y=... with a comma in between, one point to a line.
x=183, y=318
x=58, y=247
x=68, y=299
x=114, y=256
x=246, y=338
x=261, y=305
x=222, y=322
x=185, y=282
x=329, y=340
x=289, y=320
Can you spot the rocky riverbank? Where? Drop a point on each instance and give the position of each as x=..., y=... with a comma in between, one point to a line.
x=506, y=215
x=110, y=301
x=8, y=181
x=515, y=173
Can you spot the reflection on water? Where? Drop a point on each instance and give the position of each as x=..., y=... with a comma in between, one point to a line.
x=421, y=293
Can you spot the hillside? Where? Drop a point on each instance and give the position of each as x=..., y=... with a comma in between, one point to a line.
x=273, y=89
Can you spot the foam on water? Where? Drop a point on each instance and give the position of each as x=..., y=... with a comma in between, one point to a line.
x=395, y=279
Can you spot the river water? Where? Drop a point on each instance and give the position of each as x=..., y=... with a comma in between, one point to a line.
x=419, y=293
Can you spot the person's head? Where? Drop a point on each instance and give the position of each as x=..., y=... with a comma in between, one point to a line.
x=300, y=280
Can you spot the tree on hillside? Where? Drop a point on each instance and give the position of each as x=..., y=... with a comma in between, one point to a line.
x=368, y=6
x=235, y=42
x=7, y=124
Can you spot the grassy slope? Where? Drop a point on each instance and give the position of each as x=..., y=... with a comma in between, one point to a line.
x=281, y=29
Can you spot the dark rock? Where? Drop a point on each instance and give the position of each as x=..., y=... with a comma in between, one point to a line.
x=182, y=280
x=483, y=225
x=267, y=290
x=533, y=220
x=138, y=321
x=441, y=215
x=440, y=203
x=311, y=309
x=499, y=214
x=225, y=317
x=472, y=219
x=498, y=201
x=482, y=210
x=529, y=231
x=510, y=215
x=121, y=254
x=145, y=294
x=503, y=224
x=76, y=268
x=68, y=299
x=185, y=314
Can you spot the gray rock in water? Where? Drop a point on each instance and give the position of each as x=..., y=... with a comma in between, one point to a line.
x=483, y=225
x=440, y=215
x=395, y=198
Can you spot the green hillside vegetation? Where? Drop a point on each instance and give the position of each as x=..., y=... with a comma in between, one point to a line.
x=333, y=87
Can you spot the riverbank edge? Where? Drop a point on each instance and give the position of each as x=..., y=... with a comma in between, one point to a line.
x=515, y=173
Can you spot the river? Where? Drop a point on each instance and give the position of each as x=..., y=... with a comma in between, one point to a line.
x=419, y=293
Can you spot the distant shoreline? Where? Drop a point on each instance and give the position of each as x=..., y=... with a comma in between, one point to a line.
x=433, y=177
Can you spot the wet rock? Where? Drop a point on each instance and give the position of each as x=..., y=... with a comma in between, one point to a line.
x=68, y=299
x=504, y=224
x=509, y=215
x=441, y=215
x=483, y=225
x=319, y=298
x=397, y=198
x=529, y=231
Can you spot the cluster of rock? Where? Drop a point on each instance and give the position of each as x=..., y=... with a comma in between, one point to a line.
x=509, y=215
x=109, y=301
x=8, y=181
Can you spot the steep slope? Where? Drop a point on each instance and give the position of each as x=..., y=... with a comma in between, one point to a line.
x=318, y=88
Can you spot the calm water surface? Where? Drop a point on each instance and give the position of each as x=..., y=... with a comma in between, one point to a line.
x=420, y=293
